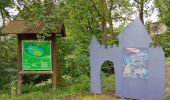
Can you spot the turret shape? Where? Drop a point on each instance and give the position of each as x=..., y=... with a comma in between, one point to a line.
x=94, y=43
x=134, y=35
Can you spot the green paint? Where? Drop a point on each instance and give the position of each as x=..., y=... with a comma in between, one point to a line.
x=36, y=55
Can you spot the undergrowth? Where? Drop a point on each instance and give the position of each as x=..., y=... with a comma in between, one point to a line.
x=67, y=89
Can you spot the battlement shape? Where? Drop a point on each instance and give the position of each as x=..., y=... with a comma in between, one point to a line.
x=134, y=37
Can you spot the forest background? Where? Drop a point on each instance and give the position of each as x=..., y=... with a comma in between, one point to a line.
x=82, y=18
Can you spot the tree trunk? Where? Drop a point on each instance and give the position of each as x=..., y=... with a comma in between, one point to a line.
x=141, y=11
x=110, y=19
x=3, y=18
x=104, y=21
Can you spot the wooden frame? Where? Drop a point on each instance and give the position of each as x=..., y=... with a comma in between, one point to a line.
x=21, y=72
x=29, y=32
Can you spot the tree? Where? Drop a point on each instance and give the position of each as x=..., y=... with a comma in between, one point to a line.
x=110, y=11
x=7, y=59
x=164, y=10
x=81, y=23
x=7, y=47
x=95, y=17
x=143, y=8
x=164, y=14
x=4, y=13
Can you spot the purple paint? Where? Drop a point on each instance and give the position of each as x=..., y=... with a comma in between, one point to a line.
x=134, y=36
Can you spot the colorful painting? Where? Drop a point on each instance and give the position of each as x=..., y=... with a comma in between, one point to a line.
x=136, y=63
x=36, y=55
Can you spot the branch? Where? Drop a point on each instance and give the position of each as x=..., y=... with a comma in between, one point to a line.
x=94, y=5
x=147, y=3
x=124, y=18
x=90, y=27
x=137, y=1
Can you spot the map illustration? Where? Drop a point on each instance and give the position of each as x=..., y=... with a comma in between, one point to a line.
x=36, y=55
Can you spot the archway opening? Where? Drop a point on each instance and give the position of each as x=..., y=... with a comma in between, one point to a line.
x=108, y=77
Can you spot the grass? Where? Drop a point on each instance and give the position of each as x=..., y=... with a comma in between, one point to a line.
x=68, y=89
x=108, y=83
x=167, y=98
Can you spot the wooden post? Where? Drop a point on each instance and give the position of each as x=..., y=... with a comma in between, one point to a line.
x=19, y=64
x=57, y=65
x=157, y=40
x=54, y=64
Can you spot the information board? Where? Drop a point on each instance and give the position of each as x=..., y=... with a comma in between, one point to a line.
x=36, y=55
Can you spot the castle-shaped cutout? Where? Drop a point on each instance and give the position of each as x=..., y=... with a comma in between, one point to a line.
x=139, y=69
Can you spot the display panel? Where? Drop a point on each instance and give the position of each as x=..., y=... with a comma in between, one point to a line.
x=36, y=55
x=136, y=63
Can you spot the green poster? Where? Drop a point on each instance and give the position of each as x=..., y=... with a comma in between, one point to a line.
x=36, y=55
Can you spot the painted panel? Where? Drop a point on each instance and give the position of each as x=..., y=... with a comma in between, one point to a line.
x=136, y=63
x=146, y=65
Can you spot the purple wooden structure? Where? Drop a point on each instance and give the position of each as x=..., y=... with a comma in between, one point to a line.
x=136, y=37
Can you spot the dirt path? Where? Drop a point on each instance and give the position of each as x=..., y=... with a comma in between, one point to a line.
x=104, y=96
x=167, y=79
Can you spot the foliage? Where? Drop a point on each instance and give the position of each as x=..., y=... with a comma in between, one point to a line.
x=165, y=37
x=41, y=11
x=144, y=8
x=7, y=47
x=108, y=83
x=76, y=89
x=67, y=88
x=7, y=60
x=13, y=87
x=167, y=98
x=82, y=19
x=4, y=13
x=164, y=9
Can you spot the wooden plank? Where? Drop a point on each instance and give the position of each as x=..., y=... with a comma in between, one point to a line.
x=57, y=65
x=36, y=72
x=19, y=64
x=54, y=59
